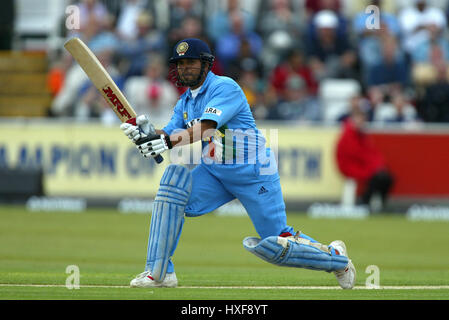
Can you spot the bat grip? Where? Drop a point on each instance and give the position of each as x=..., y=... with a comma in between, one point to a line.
x=158, y=158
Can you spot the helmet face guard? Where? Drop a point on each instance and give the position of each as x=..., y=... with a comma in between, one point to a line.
x=190, y=49
x=206, y=65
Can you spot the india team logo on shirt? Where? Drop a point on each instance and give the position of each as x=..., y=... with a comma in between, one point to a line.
x=182, y=48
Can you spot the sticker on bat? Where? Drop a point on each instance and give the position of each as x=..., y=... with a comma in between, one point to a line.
x=116, y=102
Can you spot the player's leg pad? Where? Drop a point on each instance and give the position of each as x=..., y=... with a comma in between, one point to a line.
x=295, y=252
x=167, y=218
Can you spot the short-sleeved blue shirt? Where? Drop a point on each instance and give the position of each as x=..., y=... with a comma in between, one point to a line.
x=222, y=100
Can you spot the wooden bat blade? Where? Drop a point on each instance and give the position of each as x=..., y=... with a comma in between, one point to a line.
x=101, y=79
x=103, y=82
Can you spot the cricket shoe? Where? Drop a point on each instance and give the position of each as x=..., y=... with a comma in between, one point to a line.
x=346, y=276
x=145, y=280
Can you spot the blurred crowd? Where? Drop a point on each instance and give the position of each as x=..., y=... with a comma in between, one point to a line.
x=279, y=51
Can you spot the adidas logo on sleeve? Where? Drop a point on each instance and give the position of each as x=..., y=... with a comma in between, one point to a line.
x=262, y=190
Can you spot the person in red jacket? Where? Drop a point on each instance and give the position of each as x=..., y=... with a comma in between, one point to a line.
x=358, y=159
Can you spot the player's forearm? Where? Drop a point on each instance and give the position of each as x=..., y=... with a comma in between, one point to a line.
x=199, y=131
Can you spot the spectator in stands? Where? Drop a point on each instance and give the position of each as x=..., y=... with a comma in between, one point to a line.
x=228, y=46
x=102, y=34
x=91, y=10
x=249, y=80
x=134, y=52
x=266, y=101
x=179, y=10
x=97, y=26
x=152, y=93
x=245, y=60
x=281, y=28
x=435, y=47
x=90, y=103
x=399, y=110
x=297, y=104
x=359, y=103
x=219, y=23
x=92, y=106
x=434, y=105
x=93, y=18
x=357, y=158
x=414, y=20
x=370, y=39
x=57, y=72
x=191, y=27
x=248, y=70
x=313, y=7
x=330, y=55
x=432, y=52
x=63, y=103
x=76, y=84
x=392, y=73
x=127, y=21
x=294, y=64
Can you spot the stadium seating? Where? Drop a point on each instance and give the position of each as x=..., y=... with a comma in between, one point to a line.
x=23, y=85
x=335, y=95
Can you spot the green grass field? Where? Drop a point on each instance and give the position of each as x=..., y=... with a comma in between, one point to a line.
x=110, y=248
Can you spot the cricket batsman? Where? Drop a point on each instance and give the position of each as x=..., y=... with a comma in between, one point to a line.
x=235, y=163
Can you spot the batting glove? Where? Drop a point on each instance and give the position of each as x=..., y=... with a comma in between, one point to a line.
x=154, y=145
x=142, y=130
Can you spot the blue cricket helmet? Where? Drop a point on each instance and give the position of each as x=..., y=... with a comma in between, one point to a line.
x=192, y=48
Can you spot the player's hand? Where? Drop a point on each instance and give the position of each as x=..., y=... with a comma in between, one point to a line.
x=132, y=132
x=142, y=130
x=154, y=145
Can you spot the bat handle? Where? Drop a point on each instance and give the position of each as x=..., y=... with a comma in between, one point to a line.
x=158, y=158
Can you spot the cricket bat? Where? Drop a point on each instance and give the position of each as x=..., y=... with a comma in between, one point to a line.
x=103, y=82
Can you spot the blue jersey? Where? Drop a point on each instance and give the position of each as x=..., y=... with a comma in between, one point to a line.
x=237, y=139
x=242, y=167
